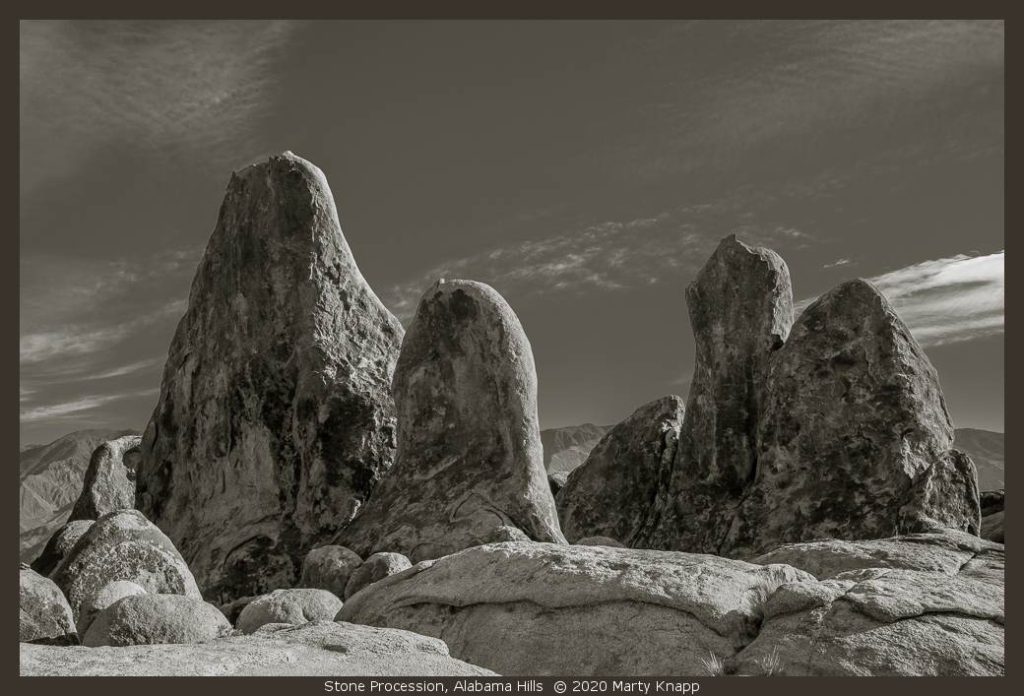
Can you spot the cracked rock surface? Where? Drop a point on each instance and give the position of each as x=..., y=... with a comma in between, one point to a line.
x=528, y=608
x=321, y=648
x=923, y=604
x=469, y=468
x=928, y=604
x=275, y=420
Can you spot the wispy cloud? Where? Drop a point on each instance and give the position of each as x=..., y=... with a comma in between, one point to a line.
x=837, y=263
x=947, y=300
x=74, y=340
x=77, y=405
x=195, y=88
x=606, y=257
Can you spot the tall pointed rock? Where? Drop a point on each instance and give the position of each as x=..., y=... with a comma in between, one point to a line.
x=741, y=311
x=469, y=469
x=855, y=440
x=275, y=419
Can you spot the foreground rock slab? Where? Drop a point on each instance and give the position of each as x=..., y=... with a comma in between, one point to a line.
x=469, y=468
x=532, y=608
x=275, y=420
x=921, y=605
x=314, y=649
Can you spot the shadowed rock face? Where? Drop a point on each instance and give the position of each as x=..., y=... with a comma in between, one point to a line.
x=275, y=419
x=741, y=310
x=855, y=440
x=613, y=493
x=469, y=468
x=836, y=429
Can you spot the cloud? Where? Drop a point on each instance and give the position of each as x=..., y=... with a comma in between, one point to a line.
x=609, y=256
x=947, y=300
x=128, y=369
x=73, y=340
x=197, y=88
x=837, y=263
x=77, y=406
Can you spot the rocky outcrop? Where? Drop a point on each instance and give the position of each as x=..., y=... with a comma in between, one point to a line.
x=44, y=614
x=149, y=619
x=855, y=440
x=329, y=568
x=922, y=604
x=110, y=479
x=275, y=420
x=108, y=594
x=315, y=649
x=123, y=545
x=926, y=604
x=51, y=482
x=539, y=608
x=60, y=545
x=468, y=469
x=613, y=494
x=741, y=311
x=377, y=567
x=292, y=606
x=838, y=430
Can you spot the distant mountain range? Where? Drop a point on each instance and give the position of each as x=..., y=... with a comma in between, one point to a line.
x=567, y=448
x=51, y=475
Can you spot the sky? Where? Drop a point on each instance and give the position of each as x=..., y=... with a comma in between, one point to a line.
x=586, y=170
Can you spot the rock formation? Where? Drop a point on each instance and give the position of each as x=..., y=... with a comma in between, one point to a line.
x=149, y=619
x=377, y=567
x=927, y=604
x=108, y=594
x=469, y=466
x=923, y=604
x=832, y=427
x=329, y=568
x=274, y=421
x=291, y=606
x=44, y=613
x=60, y=545
x=123, y=545
x=322, y=648
x=614, y=492
x=110, y=479
x=51, y=482
x=582, y=610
